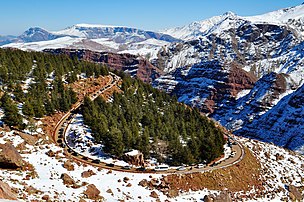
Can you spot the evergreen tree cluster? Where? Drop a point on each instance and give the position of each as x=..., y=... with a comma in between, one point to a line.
x=141, y=117
x=46, y=92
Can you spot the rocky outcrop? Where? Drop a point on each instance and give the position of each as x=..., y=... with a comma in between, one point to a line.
x=239, y=79
x=134, y=65
x=6, y=192
x=207, y=85
x=92, y=192
x=29, y=139
x=265, y=93
x=10, y=157
x=134, y=158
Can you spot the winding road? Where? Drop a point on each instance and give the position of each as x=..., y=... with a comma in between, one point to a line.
x=59, y=135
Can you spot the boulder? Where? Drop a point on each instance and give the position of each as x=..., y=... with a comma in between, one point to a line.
x=6, y=192
x=223, y=196
x=50, y=153
x=10, y=157
x=45, y=197
x=88, y=173
x=68, y=165
x=29, y=139
x=154, y=194
x=92, y=192
x=67, y=180
x=135, y=158
x=109, y=191
x=154, y=182
x=143, y=183
x=126, y=179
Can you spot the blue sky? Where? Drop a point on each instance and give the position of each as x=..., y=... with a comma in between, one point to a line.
x=18, y=15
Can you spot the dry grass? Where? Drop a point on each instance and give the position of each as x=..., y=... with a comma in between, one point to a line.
x=240, y=177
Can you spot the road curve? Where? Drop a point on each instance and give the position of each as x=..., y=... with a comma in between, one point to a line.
x=59, y=135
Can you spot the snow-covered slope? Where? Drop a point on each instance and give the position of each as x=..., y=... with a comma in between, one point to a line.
x=61, y=42
x=283, y=125
x=217, y=24
x=199, y=29
x=43, y=178
x=280, y=16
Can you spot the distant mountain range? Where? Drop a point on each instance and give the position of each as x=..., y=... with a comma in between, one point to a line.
x=245, y=72
x=93, y=37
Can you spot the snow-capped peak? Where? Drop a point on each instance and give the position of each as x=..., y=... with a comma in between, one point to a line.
x=200, y=28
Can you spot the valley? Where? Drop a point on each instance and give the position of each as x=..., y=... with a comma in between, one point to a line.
x=209, y=111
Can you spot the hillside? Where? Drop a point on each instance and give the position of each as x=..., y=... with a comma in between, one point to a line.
x=56, y=176
x=236, y=69
x=142, y=118
x=36, y=164
x=136, y=66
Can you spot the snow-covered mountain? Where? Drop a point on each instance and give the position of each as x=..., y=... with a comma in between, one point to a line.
x=199, y=29
x=35, y=34
x=289, y=16
x=237, y=69
x=93, y=37
x=118, y=34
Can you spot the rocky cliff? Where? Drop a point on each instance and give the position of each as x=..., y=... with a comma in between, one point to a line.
x=131, y=64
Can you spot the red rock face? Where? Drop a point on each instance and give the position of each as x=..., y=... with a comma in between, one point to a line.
x=239, y=79
x=135, y=65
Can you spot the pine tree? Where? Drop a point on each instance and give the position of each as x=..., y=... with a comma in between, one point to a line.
x=113, y=143
x=18, y=92
x=11, y=112
x=28, y=109
x=144, y=143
